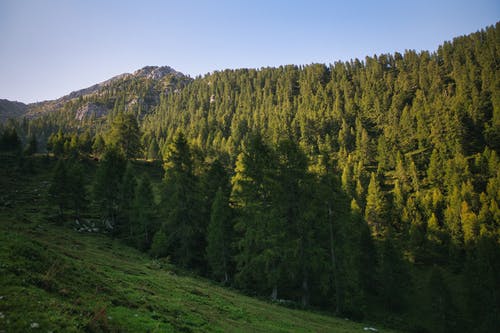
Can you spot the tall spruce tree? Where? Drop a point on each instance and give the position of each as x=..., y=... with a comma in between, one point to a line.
x=77, y=194
x=181, y=208
x=125, y=135
x=107, y=187
x=127, y=188
x=144, y=214
x=257, y=222
x=375, y=211
x=59, y=188
x=219, y=237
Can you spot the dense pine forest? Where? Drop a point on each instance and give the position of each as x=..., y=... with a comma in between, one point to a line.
x=367, y=189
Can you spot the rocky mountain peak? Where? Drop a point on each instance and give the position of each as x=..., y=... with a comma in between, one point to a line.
x=155, y=72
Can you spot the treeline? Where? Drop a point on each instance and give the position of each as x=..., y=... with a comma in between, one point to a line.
x=353, y=186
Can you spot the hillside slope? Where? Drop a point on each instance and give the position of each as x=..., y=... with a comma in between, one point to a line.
x=56, y=279
x=9, y=109
x=143, y=90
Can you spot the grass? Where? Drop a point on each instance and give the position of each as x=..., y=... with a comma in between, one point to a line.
x=55, y=279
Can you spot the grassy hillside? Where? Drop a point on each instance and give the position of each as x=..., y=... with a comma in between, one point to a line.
x=53, y=278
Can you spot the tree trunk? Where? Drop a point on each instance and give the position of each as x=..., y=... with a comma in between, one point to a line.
x=274, y=294
x=338, y=306
x=305, y=291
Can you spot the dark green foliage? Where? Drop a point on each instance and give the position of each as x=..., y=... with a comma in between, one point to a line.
x=366, y=258
x=144, y=214
x=181, y=207
x=160, y=244
x=442, y=313
x=126, y=202
x=394, y=279
x=99, y=146
x=60, y=188
x=219, y=238
x=77, y=194
x=125, y=135
x=106, y=190
x=482, y=272
x=375, y=212
x=153, y=152
x=9, y=139
x=32, y=146
x=67, y=188
x=259, y=229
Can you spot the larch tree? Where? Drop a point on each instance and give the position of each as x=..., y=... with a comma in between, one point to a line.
x=375, y=211
x=106, y=188
x=219, y=237
x=125, y=135
x=181, y=206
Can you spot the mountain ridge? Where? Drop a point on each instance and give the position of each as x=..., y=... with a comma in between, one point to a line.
x=18, y=110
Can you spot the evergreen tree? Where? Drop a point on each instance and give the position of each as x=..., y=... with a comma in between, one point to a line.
x=99, y=146
x=482, y=274
x=442, y=312
x=77, y=193
x=183, y=228
x=126, y=202
x=367, y=256
x=160, y=244
x=294, y=223
x=32, y=146
x=125, y=135
x=107, y=187
x=375, y=208
x=144, y=224
x=219, y=238
x=394, y=279
x=252, y=187
x=10, y=141
x=59, y=188
x=153, y=152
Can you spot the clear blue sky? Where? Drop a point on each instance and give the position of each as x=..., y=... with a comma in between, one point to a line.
x=49, y=48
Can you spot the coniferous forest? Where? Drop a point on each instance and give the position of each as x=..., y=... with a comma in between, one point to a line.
x=368, y=189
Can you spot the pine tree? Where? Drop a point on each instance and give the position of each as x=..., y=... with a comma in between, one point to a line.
x=252, y=187
x=60, y=187
x=294, y=228
x=32, y=146
x=394, y=278
x=219, y=238
x=99, y=146
x=375, y=212
x=125, y=135
x=470, y=224
x=144, y=225
x=180, y=201
x=77, y=193
x=160, y=244
x=10, y=140
x=442, y=312
x=435, y=171
x=153, y=150
x=107, y=185
x=126, y=202
x=481, y=280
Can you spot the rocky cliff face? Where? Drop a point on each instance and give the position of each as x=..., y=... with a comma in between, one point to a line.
x=90, y=109
x=155, y=72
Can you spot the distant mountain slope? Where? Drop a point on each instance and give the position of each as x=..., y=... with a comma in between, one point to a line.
x=140, y=89
x=9, y=109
